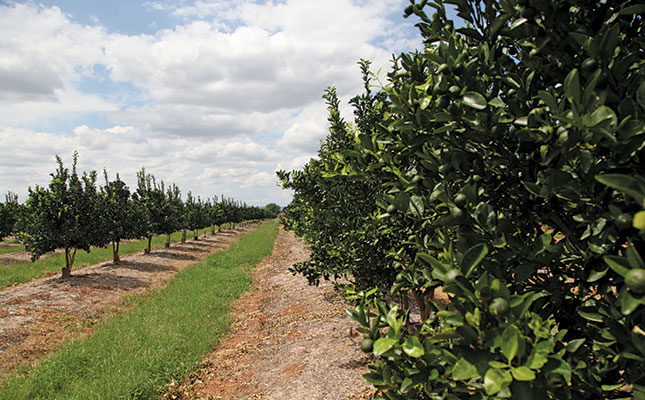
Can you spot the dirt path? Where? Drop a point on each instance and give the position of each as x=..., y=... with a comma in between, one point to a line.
x=288, y=341
x=37, y=317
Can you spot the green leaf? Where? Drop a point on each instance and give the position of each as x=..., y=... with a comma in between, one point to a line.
x=497, y=364
x=602, y=114
x=510, y=342
x=428, y=259
x=464, y=370
x=495, y=380
x=425, y=103
x=608, y=43
x=572, y=87
x=594, y=275
x=575, y=344
x=537, y=360
x=496, y=102
x=473, y=257
x=591, y=316
x=611, y=388
x=618, y=264
x=523, y=374
x=391, y=317
x=474, y=100
x=416, y=205
x=383, y=344
x=559, y=367
x=374, y=379
x=412, y=347
x=628, y=303
x=405, y=385
x=637, y=9
x=640, y=95
x=548, y=100
x=624, y=183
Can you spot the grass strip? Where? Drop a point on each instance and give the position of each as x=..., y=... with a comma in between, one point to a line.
x=48, y=264
x=136, y=355
x=11, y=249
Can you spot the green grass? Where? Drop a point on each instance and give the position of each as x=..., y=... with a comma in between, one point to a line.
x=136, y=355
x=11, y=249
x=51, y=263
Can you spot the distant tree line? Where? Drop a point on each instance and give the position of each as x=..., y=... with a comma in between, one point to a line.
x=73, y=214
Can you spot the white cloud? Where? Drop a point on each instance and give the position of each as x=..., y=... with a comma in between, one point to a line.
x=205, y=80
x=308, y=128
x=41, y=49
x=223, y=99
x=260, y=179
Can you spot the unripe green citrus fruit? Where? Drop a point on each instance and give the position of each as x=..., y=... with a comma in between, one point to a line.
x=528, y=12
x=589, y=66
x=639, y=220
x=460, y=200
x=623, y=221
x=367, y=345
x=498, y=307
x=457, y=213
x=443, y=101
x=635, y=280
x=434, y=196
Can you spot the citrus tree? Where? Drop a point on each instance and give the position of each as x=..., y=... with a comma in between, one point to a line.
x=63, y=215
x=173, y=212
x=121, y=217
x=9, y=211
x=150, y=198
x=195, y=214
x=510, y=156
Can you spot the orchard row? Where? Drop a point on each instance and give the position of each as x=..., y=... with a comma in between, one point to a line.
x=488, y=204
x=72, y=213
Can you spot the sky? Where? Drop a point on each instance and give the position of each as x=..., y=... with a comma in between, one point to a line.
x=212, y=95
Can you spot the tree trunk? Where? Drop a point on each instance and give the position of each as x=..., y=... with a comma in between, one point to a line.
x=66, y=272
x=167, y=244
x=147, y=251
x=213, y=229
x=115, y=252
x=196, y=235
x=183, y=236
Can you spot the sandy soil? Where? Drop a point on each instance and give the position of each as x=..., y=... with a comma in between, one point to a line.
x=288, y=341
x=37, y=317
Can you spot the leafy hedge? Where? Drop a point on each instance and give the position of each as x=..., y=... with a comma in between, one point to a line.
x=508, y=166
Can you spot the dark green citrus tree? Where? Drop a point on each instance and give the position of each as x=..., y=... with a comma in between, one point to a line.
x=196, y=217
x=150, y=198
x=335, y=213
x=273, y=209
x=63, y=216
x=173, y=213
x=9, y=211
x=121, y=217
x=510, y=156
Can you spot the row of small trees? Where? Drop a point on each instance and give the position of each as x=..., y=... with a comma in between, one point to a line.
x=73, y=214
x=504, y=165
